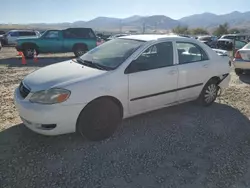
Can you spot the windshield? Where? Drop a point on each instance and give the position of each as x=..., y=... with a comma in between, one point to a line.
x=113, y=53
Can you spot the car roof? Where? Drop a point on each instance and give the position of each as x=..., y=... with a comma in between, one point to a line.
x=234, y=35
x=225, y=39
x=151, y=37
x=22, y=30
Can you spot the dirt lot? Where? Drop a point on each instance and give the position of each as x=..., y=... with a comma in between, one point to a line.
x=182, y=146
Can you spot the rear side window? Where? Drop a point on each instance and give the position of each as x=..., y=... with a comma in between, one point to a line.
x=228, y=37
x=27, y=33
x=79, y=33
x=190, y=53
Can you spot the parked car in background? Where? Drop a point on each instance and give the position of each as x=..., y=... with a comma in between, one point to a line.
x=116, y=36
x=12, y=36
x=211, y=41
x=238, y=37
x=77, y=40
x=121, y=78
x=241, y=60
x=228, y=44
x=2, y=37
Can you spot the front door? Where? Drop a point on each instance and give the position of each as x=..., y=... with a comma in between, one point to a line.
x=152, y=79
x=51, y=42
x=193, y=69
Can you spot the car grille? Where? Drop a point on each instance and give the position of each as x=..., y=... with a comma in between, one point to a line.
x=24, y=91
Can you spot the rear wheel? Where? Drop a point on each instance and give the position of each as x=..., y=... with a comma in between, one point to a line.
x=99, y=120
x=238, y=72
x=79, y=50
x=209, y=93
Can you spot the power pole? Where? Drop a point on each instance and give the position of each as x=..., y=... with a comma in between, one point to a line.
x=143, y=28
x=120, y=26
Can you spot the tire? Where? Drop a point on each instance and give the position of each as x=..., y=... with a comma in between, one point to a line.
x=28, y=52
x=238, y=72
x=99, y=120
x=209, y=93
x=79, y=50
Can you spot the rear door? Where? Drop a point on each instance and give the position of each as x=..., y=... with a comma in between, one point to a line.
x=51, y=42
x=194, y=68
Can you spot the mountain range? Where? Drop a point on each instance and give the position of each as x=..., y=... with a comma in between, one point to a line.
x=209, y=21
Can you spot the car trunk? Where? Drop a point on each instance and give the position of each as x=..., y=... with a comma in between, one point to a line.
x=245, y=54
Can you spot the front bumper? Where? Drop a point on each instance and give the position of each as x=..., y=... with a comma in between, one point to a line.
x=241, y=64
x=34, y=116
x=225, y=81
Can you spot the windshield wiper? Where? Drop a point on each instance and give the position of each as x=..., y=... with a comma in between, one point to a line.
x=92, y=64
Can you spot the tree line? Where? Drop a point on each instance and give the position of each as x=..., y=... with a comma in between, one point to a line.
x=220, y=30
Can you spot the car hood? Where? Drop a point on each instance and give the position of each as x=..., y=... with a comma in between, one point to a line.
x=59, y=75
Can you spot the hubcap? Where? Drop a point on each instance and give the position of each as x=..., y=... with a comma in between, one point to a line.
x=30, y=52
x=211, y=93
x=80, y=52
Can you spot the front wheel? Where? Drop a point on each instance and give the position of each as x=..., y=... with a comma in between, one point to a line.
x=99, y=120
x=209, y=93
x=29, y=53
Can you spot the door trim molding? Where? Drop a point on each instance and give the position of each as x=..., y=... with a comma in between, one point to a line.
x=166, y=92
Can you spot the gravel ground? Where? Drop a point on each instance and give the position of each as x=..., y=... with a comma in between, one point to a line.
x=185, y=146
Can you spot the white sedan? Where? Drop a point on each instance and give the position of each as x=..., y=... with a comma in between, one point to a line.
x=119, y=79
x=241, y=60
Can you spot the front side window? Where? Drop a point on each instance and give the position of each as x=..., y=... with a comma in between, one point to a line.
x=52, y=34
x=156, y=56
x=189, y=53
x=113, y=53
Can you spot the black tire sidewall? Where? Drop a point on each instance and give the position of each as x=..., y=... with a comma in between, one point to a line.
x=94, y=115
x=238, y=71
x=78, y=49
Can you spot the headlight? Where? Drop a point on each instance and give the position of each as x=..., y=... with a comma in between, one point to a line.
x=51, y=96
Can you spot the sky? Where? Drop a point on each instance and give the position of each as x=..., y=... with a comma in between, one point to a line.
x=54, y=11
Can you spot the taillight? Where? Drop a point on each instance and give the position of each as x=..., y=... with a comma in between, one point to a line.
x=237, y=55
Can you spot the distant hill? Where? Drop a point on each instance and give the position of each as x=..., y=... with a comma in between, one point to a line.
x=206, y=20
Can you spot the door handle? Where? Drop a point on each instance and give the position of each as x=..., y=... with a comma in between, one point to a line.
x=172, y=72
x=205, y=66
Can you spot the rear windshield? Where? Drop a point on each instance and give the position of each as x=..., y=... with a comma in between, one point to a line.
x=113, y=53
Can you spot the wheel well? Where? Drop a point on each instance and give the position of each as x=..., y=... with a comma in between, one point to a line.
x=113, y=99
x=25, y=45
x=80, y=45
x=215, y=78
